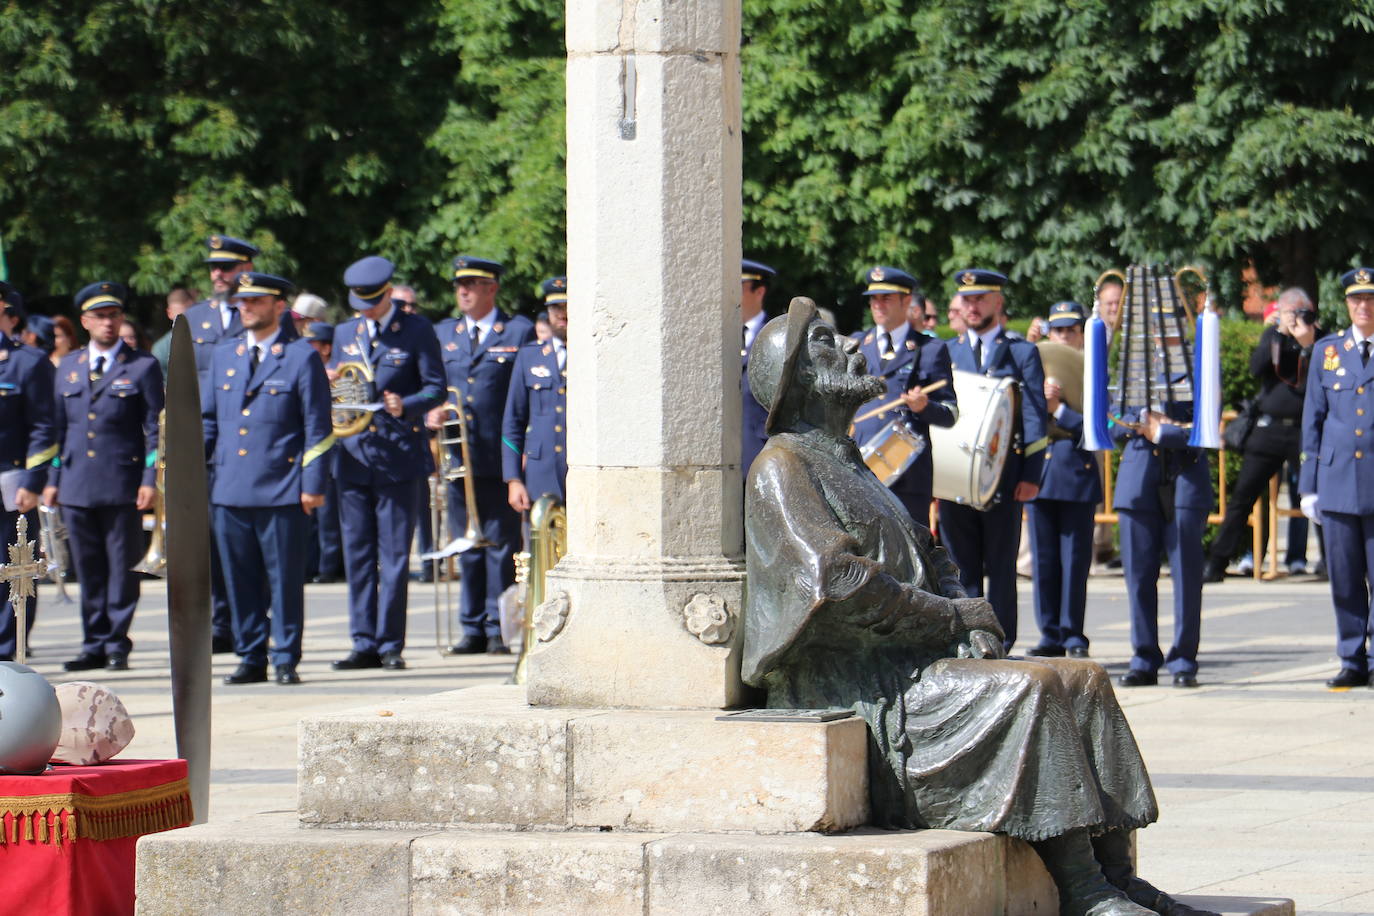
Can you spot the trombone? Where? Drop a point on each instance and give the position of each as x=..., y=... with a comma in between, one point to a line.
x=548, y=543
x=453, y=431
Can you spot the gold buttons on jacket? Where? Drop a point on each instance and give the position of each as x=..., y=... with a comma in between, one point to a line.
x=90, y=435
x=243, y=430
x=1359, y=454
x=90, y=454
x=245, y=411
x=90, y=416
x=242, y=452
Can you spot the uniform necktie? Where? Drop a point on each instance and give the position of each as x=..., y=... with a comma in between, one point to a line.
x=474, y=338
x=254, y=357
x=1364, y=353
x=888, y=351
x=978, y=353
x=98, y=369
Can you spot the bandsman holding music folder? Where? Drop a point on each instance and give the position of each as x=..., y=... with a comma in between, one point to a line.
x=919, y=394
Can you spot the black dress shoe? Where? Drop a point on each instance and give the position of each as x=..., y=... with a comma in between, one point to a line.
x=326, y=578
x=86, y=661
x=469, y=645
x=220, y=645
x=1138, y=679
x=1078, y=651
x=1183, y=679
x=392, y=661
x=1348, y=677
x=117, y=661
x=247, y=674
x=356, y=661
x=496, y=647
x=1046, y=652
x=1213, y=571
x=286, y=674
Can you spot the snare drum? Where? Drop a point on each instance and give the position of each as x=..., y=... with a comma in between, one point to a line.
x=894, y=449
x=969, y=455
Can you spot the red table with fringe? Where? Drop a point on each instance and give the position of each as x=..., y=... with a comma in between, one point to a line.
x=67, y=836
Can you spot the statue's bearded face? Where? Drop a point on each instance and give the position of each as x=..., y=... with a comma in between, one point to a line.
x=835, y=369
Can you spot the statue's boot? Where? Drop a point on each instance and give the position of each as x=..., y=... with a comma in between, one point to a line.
x=1113, y=851
x=1083, y=891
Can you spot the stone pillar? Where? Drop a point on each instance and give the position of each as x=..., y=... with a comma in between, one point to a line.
x=644, y=610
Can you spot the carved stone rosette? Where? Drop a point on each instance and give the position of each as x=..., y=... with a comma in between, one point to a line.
x=708, y=619
x=550, y=617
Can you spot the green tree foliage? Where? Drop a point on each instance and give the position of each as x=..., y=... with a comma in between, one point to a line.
x=1048, y=139
x=1056, y=139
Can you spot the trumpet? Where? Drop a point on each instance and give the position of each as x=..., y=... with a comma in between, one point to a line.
x=154, y=562
x=452, y=432
x=52, y=538
x=353, y=398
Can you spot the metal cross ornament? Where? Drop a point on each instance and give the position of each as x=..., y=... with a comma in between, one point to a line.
x=20, y=573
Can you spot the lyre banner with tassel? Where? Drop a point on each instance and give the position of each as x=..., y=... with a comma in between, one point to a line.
x=1157, y=365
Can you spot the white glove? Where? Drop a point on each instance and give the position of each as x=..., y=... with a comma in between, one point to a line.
x=1309, y=507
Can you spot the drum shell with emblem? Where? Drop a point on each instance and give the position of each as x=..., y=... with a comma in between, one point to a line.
x=968, y=457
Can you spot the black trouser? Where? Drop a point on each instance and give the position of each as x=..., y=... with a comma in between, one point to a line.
x=1265, y=453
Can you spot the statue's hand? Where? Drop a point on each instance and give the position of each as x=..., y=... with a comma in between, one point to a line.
x=976, y=614
x=982, y=644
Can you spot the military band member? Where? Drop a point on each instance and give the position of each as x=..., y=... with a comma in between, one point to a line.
x=1061, y=515
x=1337, y=475
x=479, y=350
x=27, y=446
x=324, y=521
x=210, y=321
x=755, y=277
x=984, y=544
x=906, y=361
x=378, y=467
x=534, y=432
x=108, y=399
x=1162, y=496
x=267, y=432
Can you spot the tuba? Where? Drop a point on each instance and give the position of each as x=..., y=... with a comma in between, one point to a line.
x=548, y=543
x=154, y=562
x=353, y=398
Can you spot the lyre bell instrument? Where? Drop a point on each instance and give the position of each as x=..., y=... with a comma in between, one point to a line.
x=548, y=543
x=154, y=562
x=353, y=398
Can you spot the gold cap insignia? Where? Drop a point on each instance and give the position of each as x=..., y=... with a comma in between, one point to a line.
x=104, y=287
x=969, y=278
x=245, y=280
x=1362, y=276
x=216, y=242
x=559, y=283
x=461, y=262
x=877, y=275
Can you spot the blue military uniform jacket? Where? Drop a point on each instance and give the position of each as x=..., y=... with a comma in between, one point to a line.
x=107, y=429
x=535, y=428
x=1071, y=473
x=406, y=362
x=207, y=330
x=1338, y=428
x=1014, y=357
x=920, y=361
x=1148, y=468
x=27, y=435
x=754, y=416
x=268, y=435
x=482, y=379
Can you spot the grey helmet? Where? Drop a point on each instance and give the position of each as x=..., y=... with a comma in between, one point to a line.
x=30, y=720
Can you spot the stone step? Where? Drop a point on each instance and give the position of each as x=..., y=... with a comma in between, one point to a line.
x=482, y=757
x=270, y=865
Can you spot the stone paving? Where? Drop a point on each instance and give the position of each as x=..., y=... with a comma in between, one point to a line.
x=1265, y=778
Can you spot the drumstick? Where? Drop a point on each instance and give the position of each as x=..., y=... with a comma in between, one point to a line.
x=933, y=386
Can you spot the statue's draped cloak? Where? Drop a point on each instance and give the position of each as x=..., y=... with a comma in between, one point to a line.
x=851, y=606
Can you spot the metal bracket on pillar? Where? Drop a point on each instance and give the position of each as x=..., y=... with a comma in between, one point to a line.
x=627, y=105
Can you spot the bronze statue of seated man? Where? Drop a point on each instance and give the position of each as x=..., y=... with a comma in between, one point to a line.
x=851, y=605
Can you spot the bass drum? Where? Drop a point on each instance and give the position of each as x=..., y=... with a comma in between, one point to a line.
x=969, y=456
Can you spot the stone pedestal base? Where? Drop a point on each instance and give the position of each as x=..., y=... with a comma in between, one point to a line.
x=269, y=865
x=483, y=758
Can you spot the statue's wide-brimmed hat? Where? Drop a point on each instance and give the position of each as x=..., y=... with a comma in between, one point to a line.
x=773, y=359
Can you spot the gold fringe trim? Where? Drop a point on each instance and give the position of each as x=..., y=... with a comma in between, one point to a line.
x=55, y=819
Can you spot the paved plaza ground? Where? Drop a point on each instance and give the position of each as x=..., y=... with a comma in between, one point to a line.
x=1265, y=779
